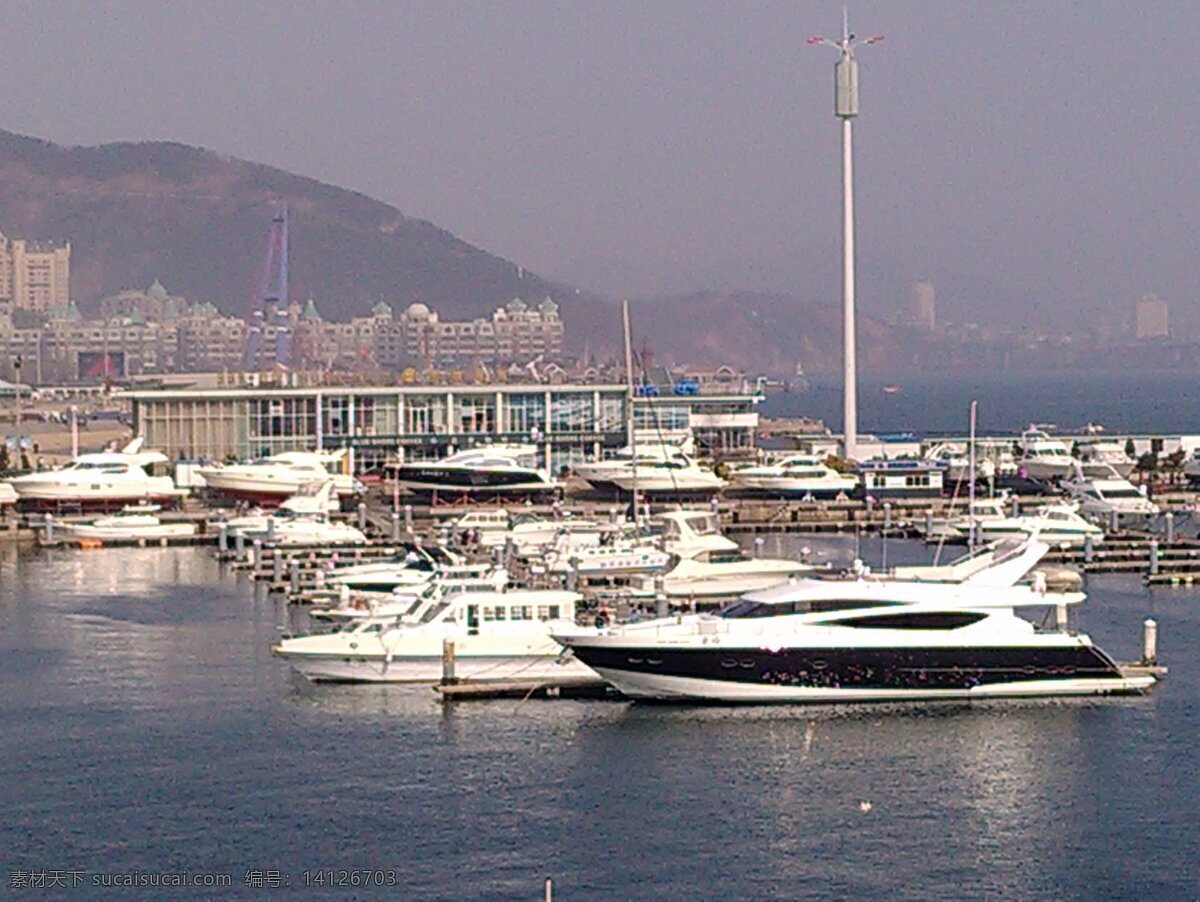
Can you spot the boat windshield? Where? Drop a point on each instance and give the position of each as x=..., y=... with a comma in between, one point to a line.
x=435, y=611
x=744, y=608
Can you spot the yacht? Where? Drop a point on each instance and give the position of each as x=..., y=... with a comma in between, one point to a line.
x=1102, y=494
x=1098, y=458
x=496, y=635
x=103, y=479
x=312, y=500
x=686, y=533
x=1043, y=457
x=1057, y=524
x=801, y=475
x=416, y=567
x=313, y=529
x=955, y=527
x=133, y=523
x=495, y=469
x=624, y=554
x=270, y=480
x=857, y=641
x=404, y=600
x=656, y=470
x=531, y=534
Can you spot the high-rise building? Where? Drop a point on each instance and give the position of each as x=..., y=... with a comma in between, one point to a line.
x=923, y=305
x=1152, y=318
x=34, y=275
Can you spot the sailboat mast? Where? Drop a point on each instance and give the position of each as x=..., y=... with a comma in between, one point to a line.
x=971, y=476
x=629, y=405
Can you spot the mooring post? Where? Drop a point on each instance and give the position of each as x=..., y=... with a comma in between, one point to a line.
x=1089, y=548
x=1149, y=641
x=49, y=524
x=887, y=516
x=256, y=554
x=239, y=545
x=447, y=661
x=928, y=520
x=1153, y=557
x=276, y=567
x=1169, y=522
x=395, y=526
x=362, y=516
x=270, y=530
x=1015, y=507
x=223, y=539
x=1114, y=521
x=573, y=574
x=661, y=608
x=549, y=897
x=408, y=519
x=294, y=575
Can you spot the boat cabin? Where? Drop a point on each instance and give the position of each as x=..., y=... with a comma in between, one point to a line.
x=881, y=479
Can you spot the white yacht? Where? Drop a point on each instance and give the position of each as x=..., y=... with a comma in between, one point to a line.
x=135, y=522
x=105, y=478
x=496, y=635
x=801, y=475
x=531, y=534
x=1100, y=494
x=405, y=599
x=1098, y=458
x=270, y=480
x=687, y=533
x=1057, y=524
x=312, y=500
x=1043, y=457
x=857, y=641
x=416, y=567
x=624, y=554
x=488, y=469
x=310, y=529
x=956, y=526
x=657, y=470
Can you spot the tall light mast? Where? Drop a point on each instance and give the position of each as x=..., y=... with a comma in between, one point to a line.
x=845, y=107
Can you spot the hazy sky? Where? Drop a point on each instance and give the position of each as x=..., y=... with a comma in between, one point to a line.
x=1031, y=159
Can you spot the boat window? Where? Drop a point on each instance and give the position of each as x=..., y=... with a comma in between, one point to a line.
x=1123, y=493
x=548, y=612
x=433, y=613
x=372, y=628
x=493, y=613
x=520, y=612
x=933, y=620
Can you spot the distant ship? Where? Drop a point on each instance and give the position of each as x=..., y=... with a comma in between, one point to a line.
x=892, y=389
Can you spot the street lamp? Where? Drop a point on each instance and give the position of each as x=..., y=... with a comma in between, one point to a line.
x=845, y=107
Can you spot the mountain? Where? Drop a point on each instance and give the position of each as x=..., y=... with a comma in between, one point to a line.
x=199, y=221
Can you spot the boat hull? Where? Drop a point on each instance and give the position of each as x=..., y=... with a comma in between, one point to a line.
x=428, y=669
x=811, y=675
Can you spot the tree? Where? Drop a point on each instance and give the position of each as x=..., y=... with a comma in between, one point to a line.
x=1130, y=448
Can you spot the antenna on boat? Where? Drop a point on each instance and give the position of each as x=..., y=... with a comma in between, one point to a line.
x=629, y=421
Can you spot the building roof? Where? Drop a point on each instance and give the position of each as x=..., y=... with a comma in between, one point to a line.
x=310, y=312
x=157, y=291
x=382, y=309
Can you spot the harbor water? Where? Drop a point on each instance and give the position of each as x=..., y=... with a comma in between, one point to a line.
x=145, y=726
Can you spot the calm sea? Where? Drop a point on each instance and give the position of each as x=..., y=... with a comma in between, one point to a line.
x=1123, y=402
x=144, y=726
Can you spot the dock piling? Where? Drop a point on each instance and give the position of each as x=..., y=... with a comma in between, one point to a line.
x=408, y=519
x=223, y=539
x=276, y=567
x=887, y=516
x=256, y=557
x=239, y=545
x=395, y=526
x=1149, y=641
x=270, y=530
x=294, y=575
x=1114, y=520
x=362, y=515
x=448, y=662
x=1089, y=548
x=1153, y=557
x=1169, y=527
x=49, y=525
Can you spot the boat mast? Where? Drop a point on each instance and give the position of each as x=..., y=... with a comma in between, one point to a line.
x=971, y=478
x=629, y=406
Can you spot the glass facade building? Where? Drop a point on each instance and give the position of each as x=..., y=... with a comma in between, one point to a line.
x=569, y=422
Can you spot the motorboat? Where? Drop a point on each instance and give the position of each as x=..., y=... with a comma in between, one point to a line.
x=496, y=636
x=625, y=554
x=1042, y=457
x=314, y=529
x=687, y=533
x=406, y=600
x=1057, y=524
x=993, y=461
x=957, y=526
x=722, y=574
x=655, y=469
x=1103, y=495
x=416, y=567
x=102, y=479
x=135, y=522
x=488, y=469
x=857, y=640
x=531, y=534
x=1098, y=458
x=272, y=479
x=311, y=500
x=802, y=475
